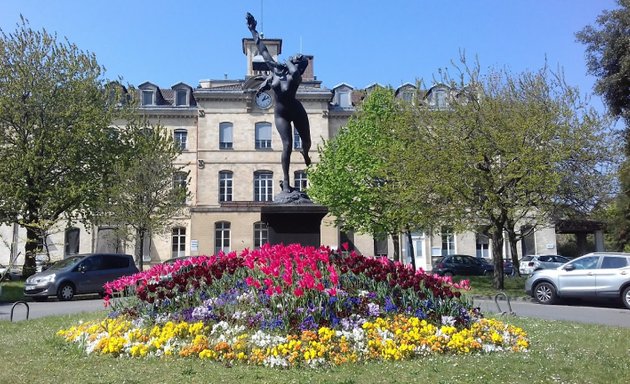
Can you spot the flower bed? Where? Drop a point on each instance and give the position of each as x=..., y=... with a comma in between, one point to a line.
x=290, y=306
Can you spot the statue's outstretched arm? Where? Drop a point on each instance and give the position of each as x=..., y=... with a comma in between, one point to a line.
x=262, y=48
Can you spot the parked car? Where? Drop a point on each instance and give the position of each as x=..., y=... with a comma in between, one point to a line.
x=78, y=275
x=530, y=263
x=508, y=267
x=464, y=265
x=599, y=275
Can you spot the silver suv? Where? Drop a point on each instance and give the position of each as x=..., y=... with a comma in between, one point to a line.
x=530, y=263
x=79, y=274
x=598, y=275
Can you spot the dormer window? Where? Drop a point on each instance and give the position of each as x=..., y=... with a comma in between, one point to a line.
x=181, y=97
x=439, y=99
x=148, y=97
x=344, y=98
x=407, y=96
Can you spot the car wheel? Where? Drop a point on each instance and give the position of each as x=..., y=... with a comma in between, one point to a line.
x=65, y=292
x=545, y=293
x=625, y=297
x=448, y=273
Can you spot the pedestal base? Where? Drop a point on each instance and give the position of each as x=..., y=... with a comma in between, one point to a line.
x=294, y=223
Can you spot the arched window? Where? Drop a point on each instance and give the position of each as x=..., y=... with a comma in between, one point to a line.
x=263, y=186
x=225, y=185
x=221, y=237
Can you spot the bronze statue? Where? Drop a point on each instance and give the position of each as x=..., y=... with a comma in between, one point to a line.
x=284, y=79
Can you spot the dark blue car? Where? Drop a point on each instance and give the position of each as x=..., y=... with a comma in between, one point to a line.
x=463, y=265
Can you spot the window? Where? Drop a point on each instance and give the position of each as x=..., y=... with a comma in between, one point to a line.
x=108, y=240
x=225, y=186
x=263, y=186
x=483, y=243
x=586, y=262
x=407, y=96
x=448, y=242
x=439, y=99
x=221, y=237
x=263, y=135
x=148, y=97
x=181, y=138
x=344, y=99
x=300, y=181
x=261, y=234
x=180, y=180
x=181, y=97
x=380, y=245
x=297, y=140
x=614, y=262
x=346, y=237
x=72, y=241
x=225, y=135
x=178, y=242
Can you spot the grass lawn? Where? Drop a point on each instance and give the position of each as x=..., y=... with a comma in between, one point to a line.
x=561, y=352
x=514, y=287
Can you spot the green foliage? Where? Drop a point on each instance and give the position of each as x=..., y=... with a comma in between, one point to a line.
x=144, y=198
x=510, y=150
x=351, y=178
x=608, y=57
x=54, y=117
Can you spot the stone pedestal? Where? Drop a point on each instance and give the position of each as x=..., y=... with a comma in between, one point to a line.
x=294, y=223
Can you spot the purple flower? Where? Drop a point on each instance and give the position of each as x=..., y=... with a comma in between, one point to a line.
x=373, y=309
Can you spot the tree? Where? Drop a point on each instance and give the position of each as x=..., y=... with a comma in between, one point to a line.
x=350, y=178
x=608, y=58
x=148, y=190
x=54, y=142
x=505, y=152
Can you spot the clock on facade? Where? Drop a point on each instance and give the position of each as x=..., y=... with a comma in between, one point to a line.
x=263, y=100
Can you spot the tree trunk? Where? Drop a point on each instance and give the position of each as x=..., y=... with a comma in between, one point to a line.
x=30, y=250
x=412, y=254
x=497, y=255
x=512, y=238
x=140, y=249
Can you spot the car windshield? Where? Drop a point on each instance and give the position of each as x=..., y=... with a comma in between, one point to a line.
x=527, y=258
x=66, y=262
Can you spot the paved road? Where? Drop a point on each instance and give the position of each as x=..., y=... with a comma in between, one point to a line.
x=50, y=308
x=606, y=314
x=593, y=313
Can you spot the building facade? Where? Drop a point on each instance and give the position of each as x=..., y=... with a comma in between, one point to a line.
x=232, y=150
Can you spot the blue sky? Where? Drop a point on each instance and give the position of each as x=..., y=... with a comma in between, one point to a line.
x=358, y=42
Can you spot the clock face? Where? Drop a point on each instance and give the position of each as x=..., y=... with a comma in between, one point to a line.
x=264, y=100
